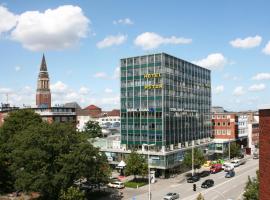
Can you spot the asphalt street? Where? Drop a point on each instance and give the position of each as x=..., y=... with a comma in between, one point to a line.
x=224, y=188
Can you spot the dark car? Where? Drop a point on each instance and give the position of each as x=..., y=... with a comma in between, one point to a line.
x=230, y=174
x=193, y=178
x=204, y=174
x=208, y=183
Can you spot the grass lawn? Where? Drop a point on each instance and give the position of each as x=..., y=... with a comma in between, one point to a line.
x=133, y=184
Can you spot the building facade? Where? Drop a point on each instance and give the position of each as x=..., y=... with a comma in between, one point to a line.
x=165, y=101
x=43, y=93
x=225, y=131
x=264, y=161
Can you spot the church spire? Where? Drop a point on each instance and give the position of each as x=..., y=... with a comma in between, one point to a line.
x=43, y=95
x=43, y=66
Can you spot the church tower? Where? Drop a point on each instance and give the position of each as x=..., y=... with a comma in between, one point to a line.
x=43, y=94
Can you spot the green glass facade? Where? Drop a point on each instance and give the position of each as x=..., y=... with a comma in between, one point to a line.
x=164, y=101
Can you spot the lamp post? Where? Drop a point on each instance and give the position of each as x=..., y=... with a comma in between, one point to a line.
x=229, y=149
x=192, y=159
x=149, y=175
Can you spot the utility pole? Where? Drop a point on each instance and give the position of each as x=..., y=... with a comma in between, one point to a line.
x=229, y=149
x=192, y=158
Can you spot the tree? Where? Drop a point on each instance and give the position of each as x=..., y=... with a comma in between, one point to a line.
x=71, y=194
x=92, y=129
x=200, y=197
x=252, y=188
x=48, y=158
x=199, y=158
x=15, y=123
x=136, y=165
x=235, y=150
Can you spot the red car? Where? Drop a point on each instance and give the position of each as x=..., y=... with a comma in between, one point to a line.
x=216, y=168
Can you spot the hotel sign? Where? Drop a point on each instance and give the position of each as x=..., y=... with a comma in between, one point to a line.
x=156, y=75
x=154, y=86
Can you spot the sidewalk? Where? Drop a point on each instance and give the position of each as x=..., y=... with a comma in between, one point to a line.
x=160, y=184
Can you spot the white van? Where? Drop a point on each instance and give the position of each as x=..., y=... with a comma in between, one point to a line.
x=116, y=184
x=236, y=163
x=228, y=167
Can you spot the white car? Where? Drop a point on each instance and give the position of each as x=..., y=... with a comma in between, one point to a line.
x=116, y=184
x=228, y=166
x=236, y=163
x=171, y=196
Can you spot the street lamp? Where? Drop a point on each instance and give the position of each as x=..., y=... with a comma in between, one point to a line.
x=149, y=175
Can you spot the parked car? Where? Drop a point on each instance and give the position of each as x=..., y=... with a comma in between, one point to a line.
x=227, y=167
x=116, y=184
x=255, y=156
x=236, y=163
x=216, y=168
x=193, y=178
x=208, y=183
x=207, y=163
x=230, y=174
x=171, y=196
x=204, y=173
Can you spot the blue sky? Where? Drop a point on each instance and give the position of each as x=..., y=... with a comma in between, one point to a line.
x=84, y=40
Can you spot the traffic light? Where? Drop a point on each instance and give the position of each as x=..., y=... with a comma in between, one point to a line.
x=194, y=187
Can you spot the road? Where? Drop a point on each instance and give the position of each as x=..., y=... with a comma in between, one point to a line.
x=224, y=188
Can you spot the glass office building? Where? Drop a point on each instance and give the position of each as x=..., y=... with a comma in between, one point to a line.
x=165, y=101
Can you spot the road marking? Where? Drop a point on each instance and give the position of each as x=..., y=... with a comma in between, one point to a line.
x=175, y=185
x=212, y=188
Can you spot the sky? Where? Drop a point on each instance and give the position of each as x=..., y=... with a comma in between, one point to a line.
x=83, y=42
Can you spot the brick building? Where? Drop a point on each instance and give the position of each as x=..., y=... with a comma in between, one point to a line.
x=43, y=94
x=264, y=162
x=225, y=130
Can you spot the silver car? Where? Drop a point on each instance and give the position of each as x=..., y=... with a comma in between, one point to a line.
x=171, y=196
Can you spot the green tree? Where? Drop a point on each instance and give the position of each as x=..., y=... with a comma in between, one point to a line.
x=200, y=197
x=199, y=158
x=72, y=193
x=136, y=165
x=252, y=188
x=92, y=129
x=235, y=150
x=15, y=123
x=48, y=158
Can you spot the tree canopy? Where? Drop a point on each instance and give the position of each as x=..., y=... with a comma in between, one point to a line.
x=92, y=129
x=235, y=150
x=252, y=188
x=136, y=165
x=199, y=158
x=47, y=158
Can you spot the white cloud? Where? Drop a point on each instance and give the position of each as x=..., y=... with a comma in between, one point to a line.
x=228, y=76
x=257, y=87
x=246, y=43
x=112, y=40
x=108, y=90
x=261, y=76
x=8, y=20
x=266, y=49
x=84, y=90
x=111, y=100
x=150, y=40
x=218, y=89
x=5, y=90
x=212, y=61
x=53, y=29
x=125, y=21
x=116, y=74
x=102, y=75
x=58, y=87
x=238, y=91
x=17, y=68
